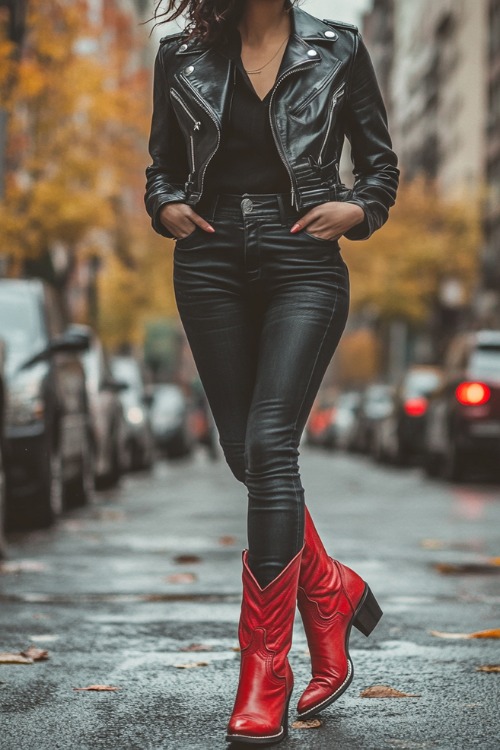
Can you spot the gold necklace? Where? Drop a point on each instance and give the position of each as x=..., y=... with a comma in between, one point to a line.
x=258, y=70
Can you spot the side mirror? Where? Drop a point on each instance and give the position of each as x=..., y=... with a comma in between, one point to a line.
x=75, y=338
x=113, y=385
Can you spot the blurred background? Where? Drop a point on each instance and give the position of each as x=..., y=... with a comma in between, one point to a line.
x=97, y=379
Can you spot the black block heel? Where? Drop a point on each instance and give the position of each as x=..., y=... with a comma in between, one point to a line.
x=367, y=614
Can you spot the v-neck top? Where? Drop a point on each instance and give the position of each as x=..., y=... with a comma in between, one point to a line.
x=247, y=160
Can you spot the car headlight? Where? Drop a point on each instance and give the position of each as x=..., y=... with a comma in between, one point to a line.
x=24, y=403
x=135, y=415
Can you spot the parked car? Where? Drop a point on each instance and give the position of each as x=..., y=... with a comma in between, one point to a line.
x=48, y=436
x=463, y=425
x=136, y=400
x=319, y=429
x=109, y=427
x=171, y=420
x=399, y=436
x=344, y=419
x=374, y=405
x=3, y=486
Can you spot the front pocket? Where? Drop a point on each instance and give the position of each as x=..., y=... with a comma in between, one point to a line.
x=314, y=237
x=190, y=235
x=331, y=109
x=314, y=93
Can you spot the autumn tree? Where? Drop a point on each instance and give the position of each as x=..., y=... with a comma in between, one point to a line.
x=399, y=270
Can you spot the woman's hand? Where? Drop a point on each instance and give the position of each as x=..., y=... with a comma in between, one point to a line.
x=330, y=220
x=181, y=220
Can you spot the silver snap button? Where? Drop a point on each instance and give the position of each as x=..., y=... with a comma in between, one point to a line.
x=329, y=33
x=312, y=52
x=184, y=46
x=189, y=69
x=247, y=205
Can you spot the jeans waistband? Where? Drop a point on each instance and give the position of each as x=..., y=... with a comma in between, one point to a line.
x=248, y=204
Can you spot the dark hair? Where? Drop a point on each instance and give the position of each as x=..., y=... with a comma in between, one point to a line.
x=208, y=20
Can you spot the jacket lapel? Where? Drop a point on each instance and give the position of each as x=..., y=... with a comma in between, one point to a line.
x=206, y=69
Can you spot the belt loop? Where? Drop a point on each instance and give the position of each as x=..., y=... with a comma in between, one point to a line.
x=281, y=207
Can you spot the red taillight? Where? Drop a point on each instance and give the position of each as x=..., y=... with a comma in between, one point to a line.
x=472, y=394
x=415, y=407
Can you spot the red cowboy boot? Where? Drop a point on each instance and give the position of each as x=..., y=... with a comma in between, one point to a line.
x=260, y=713
x=331, y=598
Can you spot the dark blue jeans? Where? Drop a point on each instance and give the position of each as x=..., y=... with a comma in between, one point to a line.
x=263, y=311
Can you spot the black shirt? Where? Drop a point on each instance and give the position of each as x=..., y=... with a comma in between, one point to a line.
x=247, y=160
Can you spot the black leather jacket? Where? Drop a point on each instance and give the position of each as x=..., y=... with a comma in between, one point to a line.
x=327, y=89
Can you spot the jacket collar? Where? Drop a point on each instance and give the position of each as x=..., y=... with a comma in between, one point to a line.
x=304, y=28
x=203, y=64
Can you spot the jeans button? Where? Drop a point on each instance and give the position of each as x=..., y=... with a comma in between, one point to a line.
x=246, y=205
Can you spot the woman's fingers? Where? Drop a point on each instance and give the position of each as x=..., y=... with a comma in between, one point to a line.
x=331, y=217
x=179, y=219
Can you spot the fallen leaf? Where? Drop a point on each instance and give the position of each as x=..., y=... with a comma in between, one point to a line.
x=6, y=658
x=235, y=648
x=461, y=636
x=196, y=647
x=488, y=668
x=191, y=665
x=307, y=724
x=495, y=633
x=20, y=566
x=180, y=578
x=98, y=687
x=187, y=559
x=37, y=654
x=466, y=568
x=385, y=691
x=432, y=544
x=110, y=514
x=227, y=541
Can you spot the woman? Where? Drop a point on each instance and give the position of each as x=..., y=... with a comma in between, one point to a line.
x=251, y=104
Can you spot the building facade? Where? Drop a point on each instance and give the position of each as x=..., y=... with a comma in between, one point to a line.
x=491, y=255
x=438, y=91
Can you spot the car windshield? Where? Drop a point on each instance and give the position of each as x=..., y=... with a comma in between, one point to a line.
x=168, y=397
x=422, y=382
x=485, y=363
x=20, y=324
x=128, y=370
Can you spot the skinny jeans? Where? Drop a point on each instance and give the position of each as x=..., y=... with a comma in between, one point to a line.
x=263, y=311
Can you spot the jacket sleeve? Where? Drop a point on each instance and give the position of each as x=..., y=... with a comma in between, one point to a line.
x=376, y=175
x=166, y=176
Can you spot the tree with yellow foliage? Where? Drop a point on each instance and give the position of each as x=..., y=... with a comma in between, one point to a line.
x=398, y=272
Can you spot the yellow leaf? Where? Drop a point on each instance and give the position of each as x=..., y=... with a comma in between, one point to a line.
x=385, y=691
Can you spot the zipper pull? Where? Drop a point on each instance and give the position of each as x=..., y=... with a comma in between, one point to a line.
x=196, y=126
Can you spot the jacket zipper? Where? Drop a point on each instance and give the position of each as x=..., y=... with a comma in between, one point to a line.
x=335, y=97
x=317, y=91
x=212, y=117
x=276, y=139
x=196, y=126
x=196, y=123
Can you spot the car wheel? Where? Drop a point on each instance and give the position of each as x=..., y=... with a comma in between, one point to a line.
x=48, y=501
x=112, y=477
x=3, y=504
x=454, y=464
x=81, y=491
x=432, y=463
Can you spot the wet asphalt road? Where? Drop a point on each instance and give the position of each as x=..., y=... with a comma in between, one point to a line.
x=102, y=603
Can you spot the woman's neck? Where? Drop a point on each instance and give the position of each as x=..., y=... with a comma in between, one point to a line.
x=263, y=21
